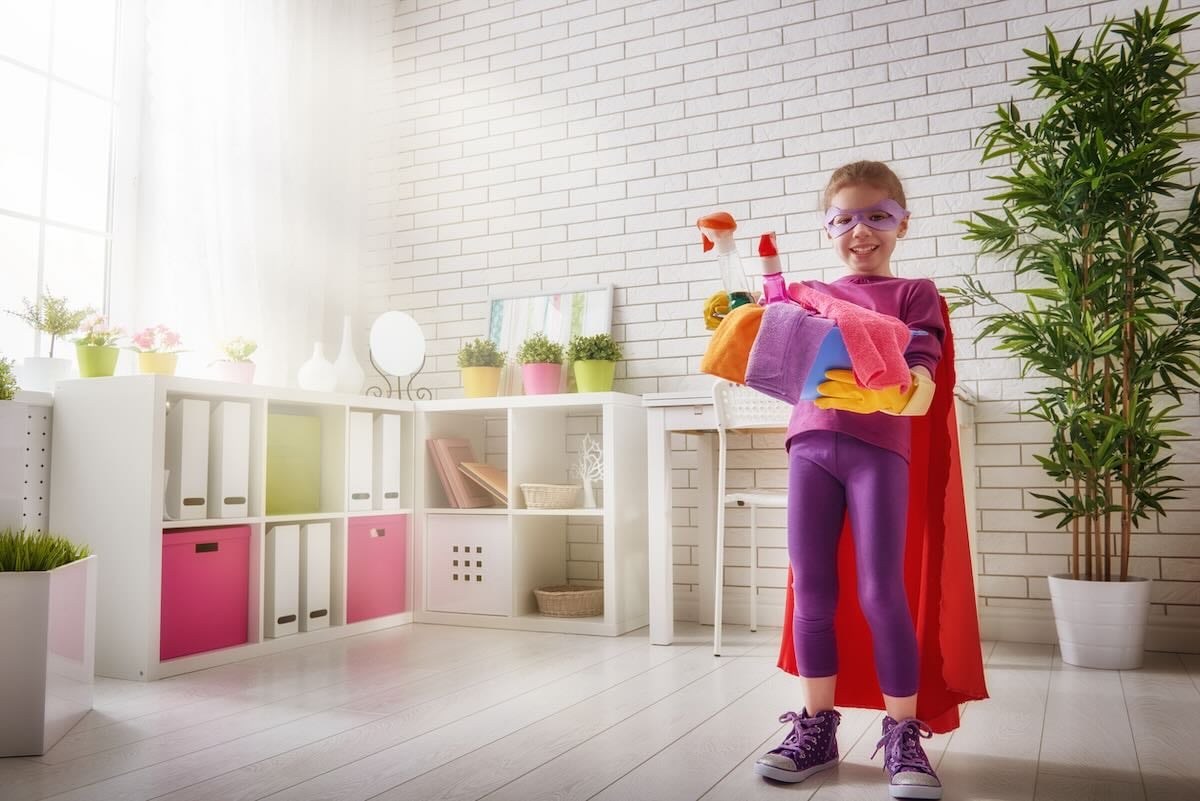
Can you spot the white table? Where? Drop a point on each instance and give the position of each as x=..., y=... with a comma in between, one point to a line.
x=670, y=413
x=692, y=412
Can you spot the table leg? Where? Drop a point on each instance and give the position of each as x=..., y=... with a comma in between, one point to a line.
x=658, y=472
x=706, y=523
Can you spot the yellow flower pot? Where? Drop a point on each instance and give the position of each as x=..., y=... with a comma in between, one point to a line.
x=481, y=382
x=96, y=360
x=157, y=363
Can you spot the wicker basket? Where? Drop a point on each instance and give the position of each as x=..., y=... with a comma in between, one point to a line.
x=569, y=600
x=549, y=496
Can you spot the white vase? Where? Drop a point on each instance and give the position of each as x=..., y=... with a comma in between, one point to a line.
x=1101, y=624
x=350, y=375
x=318, y=373
x=589, y=494
x=41, y=373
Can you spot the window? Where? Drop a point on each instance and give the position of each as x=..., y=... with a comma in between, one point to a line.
x=57, y=157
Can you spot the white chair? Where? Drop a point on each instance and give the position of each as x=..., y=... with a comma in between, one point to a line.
x=740, y=408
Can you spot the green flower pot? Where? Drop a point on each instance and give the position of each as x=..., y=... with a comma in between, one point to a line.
x=96, y=360
x=593, y=375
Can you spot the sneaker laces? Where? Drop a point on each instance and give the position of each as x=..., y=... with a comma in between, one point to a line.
x=901, y=746
x=802, y=737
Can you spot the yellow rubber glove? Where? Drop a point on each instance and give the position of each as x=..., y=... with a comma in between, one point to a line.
x=715, y=309
x=842, y=392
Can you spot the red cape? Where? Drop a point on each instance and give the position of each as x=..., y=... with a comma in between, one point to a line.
x=937, y=573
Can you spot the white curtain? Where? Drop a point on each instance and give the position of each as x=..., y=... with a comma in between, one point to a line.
x=251, y=203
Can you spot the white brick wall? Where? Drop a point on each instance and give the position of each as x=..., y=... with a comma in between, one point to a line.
x=541, y=144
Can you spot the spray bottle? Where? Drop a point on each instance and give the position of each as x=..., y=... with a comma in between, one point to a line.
x=718, y=229
x=774, y=287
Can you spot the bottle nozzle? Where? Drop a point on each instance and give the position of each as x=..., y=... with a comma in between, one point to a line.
x=769, y=256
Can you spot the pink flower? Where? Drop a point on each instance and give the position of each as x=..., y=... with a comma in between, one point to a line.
x=156, y=338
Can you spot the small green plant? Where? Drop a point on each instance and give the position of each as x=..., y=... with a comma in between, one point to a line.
x=538, y=349
x=239, y=349
x=481, y=353
x=8, y=381
x=598, y=347
x=25, y=551
x=52, y=316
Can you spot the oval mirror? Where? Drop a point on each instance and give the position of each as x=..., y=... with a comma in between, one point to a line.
x=397, y=343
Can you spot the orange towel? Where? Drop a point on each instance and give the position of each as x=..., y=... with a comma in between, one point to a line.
x=729, y=349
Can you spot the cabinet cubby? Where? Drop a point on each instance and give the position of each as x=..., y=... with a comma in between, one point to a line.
x=111, y=445
x=536, y=439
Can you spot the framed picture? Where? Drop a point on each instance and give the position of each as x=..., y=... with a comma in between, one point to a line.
x=558, y=315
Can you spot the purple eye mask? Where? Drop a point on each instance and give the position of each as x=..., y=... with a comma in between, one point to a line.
x=886, y=215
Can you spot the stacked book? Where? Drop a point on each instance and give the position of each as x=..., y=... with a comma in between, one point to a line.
x=468, y=483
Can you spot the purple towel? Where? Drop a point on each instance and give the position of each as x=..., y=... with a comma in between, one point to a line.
x=784, y=350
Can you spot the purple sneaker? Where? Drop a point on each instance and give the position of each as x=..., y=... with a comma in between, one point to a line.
x=905, y=761
x=809, y=747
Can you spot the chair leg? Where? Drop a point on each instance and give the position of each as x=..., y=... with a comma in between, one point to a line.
x=753, y=568
x=719, y=552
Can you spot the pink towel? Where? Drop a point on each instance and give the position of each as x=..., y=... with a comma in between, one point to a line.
x=876, y=342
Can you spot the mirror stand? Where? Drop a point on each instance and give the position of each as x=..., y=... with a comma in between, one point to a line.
x=421, y=393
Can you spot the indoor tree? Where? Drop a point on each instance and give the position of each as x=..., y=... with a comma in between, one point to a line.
x=1102, y=221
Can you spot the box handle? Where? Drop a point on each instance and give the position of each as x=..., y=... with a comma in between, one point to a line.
x=286, y=619
x=318, y=613
x=379, y=532
x=360, y=496
x=207, y=547
x=234, y=499
x=193, y=501
x=390, y=495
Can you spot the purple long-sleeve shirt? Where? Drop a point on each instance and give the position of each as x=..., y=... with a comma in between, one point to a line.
x=916, y=303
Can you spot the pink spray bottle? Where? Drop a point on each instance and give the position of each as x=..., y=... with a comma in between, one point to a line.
x=774, y=287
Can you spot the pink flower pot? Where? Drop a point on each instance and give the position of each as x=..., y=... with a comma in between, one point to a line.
x=541, y=378
x=233, y=372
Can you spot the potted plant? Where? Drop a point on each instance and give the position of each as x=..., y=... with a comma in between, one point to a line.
x=1111, y=312
x=49, y=315
x=157, y=349
x=595, y=359
x=541, y=365
x=95, y=346
x=236, y=367
x=480, y=363
x=48, y=587
x=8, y=381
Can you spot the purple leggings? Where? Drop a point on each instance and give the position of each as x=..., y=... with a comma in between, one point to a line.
x=830, y=472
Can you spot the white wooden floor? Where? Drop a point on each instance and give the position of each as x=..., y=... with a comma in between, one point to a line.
x=437, y=712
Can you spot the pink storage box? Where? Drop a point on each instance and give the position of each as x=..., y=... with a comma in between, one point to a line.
x=375, y=565
x=205, y=590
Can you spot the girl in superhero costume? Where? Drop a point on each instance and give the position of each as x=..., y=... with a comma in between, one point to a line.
x=880, y=603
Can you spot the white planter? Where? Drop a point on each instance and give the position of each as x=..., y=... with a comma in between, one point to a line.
x=41, y=373
x=47, y=662
x=1101, y=624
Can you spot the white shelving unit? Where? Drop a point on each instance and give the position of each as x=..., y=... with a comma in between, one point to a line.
x=107, y=472
x=108, y=451
x=532, y=438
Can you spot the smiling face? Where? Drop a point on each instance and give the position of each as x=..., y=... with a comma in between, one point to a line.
x=863, y=249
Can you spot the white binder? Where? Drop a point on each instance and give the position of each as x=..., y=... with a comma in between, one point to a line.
x=358, y=473
x=229, y=459
x=314, y=576
x=387, y=462
x=282, y=602
x=187, y=460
